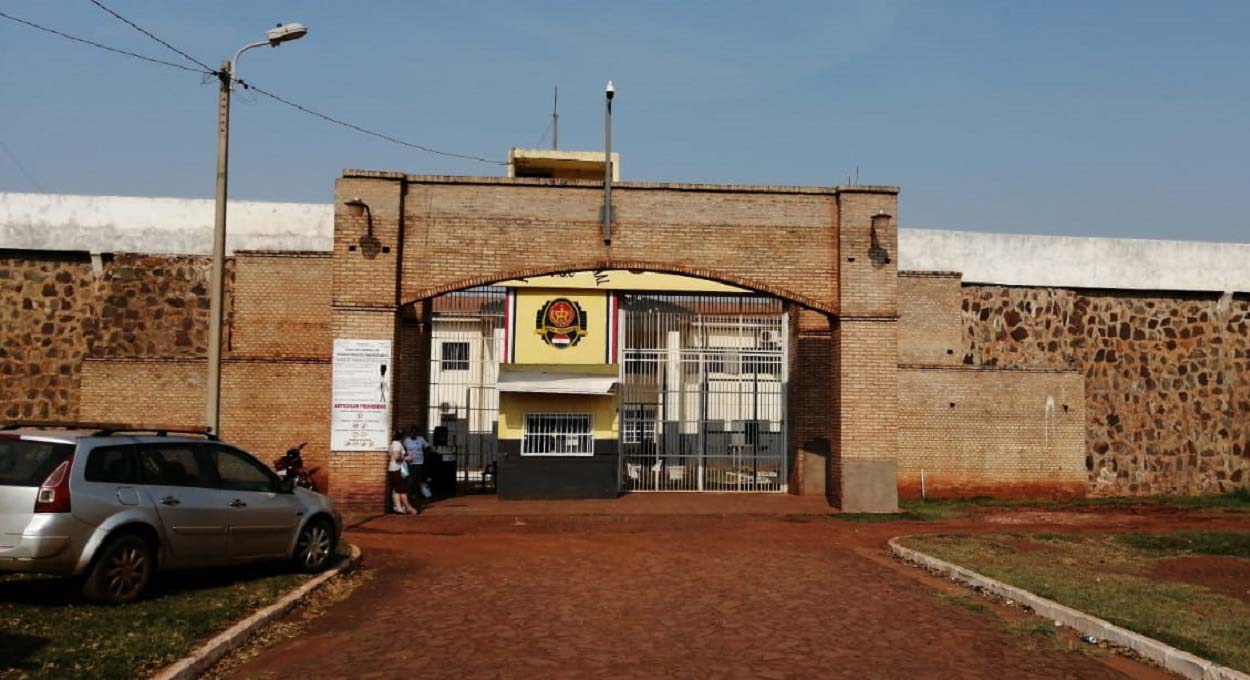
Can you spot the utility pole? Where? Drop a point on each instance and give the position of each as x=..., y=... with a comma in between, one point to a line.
x=555, y=120
x=227, y=75
x=217, y=284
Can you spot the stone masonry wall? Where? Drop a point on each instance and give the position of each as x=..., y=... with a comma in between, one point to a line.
x=43, y=302
x=1167, y=377
x=58, y=308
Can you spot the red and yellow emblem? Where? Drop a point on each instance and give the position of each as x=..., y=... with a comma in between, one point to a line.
x=561, y=323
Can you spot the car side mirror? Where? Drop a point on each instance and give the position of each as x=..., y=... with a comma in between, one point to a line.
x=286, y=486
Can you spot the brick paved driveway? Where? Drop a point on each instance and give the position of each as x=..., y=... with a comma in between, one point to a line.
x=697, y=597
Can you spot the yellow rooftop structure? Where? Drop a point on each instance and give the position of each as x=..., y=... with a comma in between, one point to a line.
x=560, y=164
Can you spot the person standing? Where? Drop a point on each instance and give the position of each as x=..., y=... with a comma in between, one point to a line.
x=396, y=472
x=414, y=453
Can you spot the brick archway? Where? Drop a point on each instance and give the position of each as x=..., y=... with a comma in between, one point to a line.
x=628, y=265
x=832, y=251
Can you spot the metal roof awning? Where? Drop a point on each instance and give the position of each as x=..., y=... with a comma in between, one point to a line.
x=554, y=382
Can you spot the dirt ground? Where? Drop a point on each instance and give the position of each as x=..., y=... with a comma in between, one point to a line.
x=465, y=595
x=1228, y=575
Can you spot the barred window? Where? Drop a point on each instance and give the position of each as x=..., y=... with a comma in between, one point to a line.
x=455, y=356
x=638, y=424
x=558, y=434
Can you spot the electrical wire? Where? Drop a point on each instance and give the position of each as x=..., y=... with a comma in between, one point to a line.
x=92, y=43
x=365, y=131
x=543, y=138
x=20, y=167
x=246, y=84
x=149, y=34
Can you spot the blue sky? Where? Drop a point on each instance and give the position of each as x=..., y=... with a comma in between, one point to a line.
x=1083, y=118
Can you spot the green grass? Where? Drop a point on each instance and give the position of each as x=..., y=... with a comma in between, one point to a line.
x=48, y=631
x=962, y=601
x=1191, y=542
x=1110, y=576
x=941, y=508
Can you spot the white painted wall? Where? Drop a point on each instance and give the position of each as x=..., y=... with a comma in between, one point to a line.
x=185, y=226
x=1077, y=262
x=182, y=226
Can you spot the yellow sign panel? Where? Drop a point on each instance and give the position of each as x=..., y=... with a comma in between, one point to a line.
x=561, y=327
x=622, y=279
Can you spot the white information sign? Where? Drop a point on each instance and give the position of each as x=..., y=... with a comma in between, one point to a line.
x=360, y=411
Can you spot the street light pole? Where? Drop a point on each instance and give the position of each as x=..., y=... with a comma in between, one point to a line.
x=217, y=284
x=218, y=281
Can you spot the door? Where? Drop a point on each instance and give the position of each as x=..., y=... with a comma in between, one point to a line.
x=261, y=518
x=182, y=489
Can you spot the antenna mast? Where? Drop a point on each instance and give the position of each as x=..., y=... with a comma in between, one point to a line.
x=555, y=120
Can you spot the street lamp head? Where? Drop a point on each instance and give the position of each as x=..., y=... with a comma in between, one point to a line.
x=286, y=33
x=609, y=90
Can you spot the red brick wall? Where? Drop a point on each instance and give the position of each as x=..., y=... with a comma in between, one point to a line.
x=282, y=305
x=144, y=391
x=930, y=325
x=268, y=406
x=455, y=230
x=990, y=432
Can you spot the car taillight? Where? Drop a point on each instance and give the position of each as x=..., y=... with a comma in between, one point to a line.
x=54, y=492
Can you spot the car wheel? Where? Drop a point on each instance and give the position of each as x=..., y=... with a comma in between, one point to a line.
x=121, y=572
x=315, y=546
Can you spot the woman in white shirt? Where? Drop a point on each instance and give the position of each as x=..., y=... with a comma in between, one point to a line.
x=396, y=470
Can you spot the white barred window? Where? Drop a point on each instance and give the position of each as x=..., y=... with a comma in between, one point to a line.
x=558, y=434
x=638, y=426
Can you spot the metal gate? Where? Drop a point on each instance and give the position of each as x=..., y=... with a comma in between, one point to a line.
x=703, y=393
x=466, y=335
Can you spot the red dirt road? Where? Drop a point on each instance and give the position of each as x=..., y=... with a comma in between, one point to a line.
x=654, y=596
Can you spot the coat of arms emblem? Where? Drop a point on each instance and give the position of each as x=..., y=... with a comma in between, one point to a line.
x=561, y=323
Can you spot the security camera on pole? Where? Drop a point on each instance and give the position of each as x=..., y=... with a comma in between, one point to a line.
x=228, y=77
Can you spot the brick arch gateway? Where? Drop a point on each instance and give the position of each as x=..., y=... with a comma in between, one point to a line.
x=829, y=253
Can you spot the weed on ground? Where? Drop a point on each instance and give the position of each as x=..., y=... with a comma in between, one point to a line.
x=1113, y=577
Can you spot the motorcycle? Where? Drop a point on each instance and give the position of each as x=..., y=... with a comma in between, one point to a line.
x=291, y=466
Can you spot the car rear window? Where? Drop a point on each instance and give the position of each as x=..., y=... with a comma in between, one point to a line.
x=28, y=463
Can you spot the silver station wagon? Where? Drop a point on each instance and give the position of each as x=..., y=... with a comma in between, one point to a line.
x=112, y=505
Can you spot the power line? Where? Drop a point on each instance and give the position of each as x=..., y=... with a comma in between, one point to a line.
x=92, y=43
x=277, y=98
x=149, y=34
x=371, y=133
x=21, y=168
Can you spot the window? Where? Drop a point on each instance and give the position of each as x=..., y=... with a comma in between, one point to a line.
x=761, y=362
x=112, y=465
x=172, y=465
x=238, y=472
x=558, y=434
x=455, y=356
x=639, y=424
x=28, y=463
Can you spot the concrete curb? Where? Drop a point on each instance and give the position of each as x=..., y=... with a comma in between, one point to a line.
x=1171, y=658
x=212, y=651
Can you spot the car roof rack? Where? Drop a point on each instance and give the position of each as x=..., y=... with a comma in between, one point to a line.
x=110, y=429
x=60, y=425
x=158, y=430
